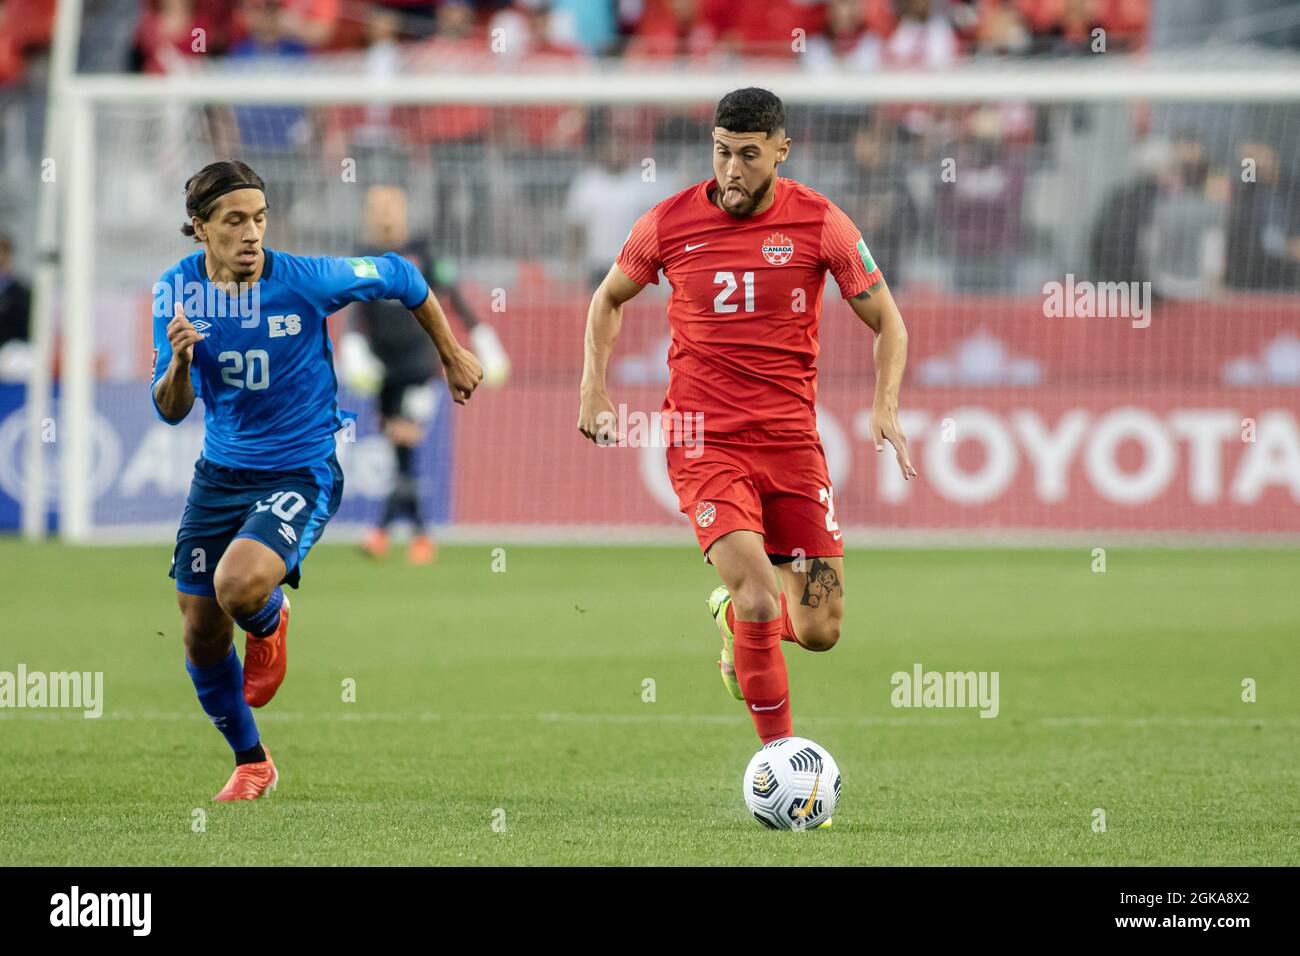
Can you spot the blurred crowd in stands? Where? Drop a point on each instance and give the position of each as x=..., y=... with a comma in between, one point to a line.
x=1112, y=192
x=157, y=36
x=1191, y=225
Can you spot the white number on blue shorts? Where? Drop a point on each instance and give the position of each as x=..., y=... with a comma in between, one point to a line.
x=283, y=504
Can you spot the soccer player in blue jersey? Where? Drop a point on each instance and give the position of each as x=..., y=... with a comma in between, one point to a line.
x=242, y=327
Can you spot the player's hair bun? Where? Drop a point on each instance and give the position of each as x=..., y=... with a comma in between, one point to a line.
x=204, y=188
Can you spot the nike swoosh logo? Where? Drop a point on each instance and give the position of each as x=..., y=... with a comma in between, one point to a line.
x=837, y=535
x=807, y=807
x=692, y=248
x=760, y=710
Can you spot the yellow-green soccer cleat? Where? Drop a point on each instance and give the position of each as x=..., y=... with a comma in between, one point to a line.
x=719, y=600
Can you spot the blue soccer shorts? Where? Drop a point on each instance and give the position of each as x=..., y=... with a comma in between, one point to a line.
x=284, y=510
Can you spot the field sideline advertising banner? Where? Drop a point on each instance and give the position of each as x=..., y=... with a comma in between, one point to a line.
x=141, y=468
x=1016, y=420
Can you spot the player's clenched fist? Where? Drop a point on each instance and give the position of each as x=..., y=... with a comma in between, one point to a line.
x=597, y=417
x=463, y=375
x=181, y=335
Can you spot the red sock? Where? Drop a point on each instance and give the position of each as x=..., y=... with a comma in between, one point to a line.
x=760, y=667
x=787, y=625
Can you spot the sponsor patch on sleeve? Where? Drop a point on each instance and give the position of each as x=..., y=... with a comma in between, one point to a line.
x=364, y=268
x=864, y=253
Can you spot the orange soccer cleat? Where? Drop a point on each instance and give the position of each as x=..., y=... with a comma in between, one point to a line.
x=375, y=543
x=422, y=550
x=265, y=659
x=250, y=781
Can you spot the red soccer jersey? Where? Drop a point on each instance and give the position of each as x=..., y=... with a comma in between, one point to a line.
x=746, y=300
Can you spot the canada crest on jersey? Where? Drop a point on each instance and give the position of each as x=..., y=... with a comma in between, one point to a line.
x=778, y=248
x=705, y=513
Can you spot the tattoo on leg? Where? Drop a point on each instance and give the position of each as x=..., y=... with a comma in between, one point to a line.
x=822, y=583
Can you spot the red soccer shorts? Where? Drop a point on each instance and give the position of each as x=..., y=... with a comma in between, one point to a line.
x=776, y=485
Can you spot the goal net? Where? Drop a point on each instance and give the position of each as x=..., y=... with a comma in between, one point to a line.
x=1102, y=293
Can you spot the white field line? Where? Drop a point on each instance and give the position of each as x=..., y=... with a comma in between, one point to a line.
x=913, y=720
x=679, y=536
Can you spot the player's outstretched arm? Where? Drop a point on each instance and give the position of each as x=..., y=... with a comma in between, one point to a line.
x=877, y=309
x=462, y=368
x=596, y=413
x=174, y=393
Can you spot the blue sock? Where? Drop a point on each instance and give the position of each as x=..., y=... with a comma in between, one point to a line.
x=221, y=693
x=265, y=621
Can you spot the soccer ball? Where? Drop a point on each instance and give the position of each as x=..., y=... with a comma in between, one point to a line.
x=792, y=784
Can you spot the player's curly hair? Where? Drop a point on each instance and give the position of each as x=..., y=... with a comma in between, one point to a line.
x=750, y=110
x=204, y=188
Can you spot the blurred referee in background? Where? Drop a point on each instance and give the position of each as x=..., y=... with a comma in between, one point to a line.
x=383, y=351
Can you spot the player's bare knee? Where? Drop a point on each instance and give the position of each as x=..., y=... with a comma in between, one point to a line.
x=821, y=636
x=756, y=602
x=240, y=592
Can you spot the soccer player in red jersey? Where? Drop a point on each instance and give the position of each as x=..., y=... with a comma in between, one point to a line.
x=746, y=254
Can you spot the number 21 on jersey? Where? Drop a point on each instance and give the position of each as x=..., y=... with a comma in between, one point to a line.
x=728, y=281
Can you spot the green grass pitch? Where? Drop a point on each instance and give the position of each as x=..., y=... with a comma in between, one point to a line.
x=516, y=698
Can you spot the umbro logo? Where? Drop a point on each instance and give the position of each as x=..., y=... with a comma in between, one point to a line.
x=287, y=532
x=200, y=325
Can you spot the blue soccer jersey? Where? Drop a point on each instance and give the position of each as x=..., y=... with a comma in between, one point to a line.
x=265, y=368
